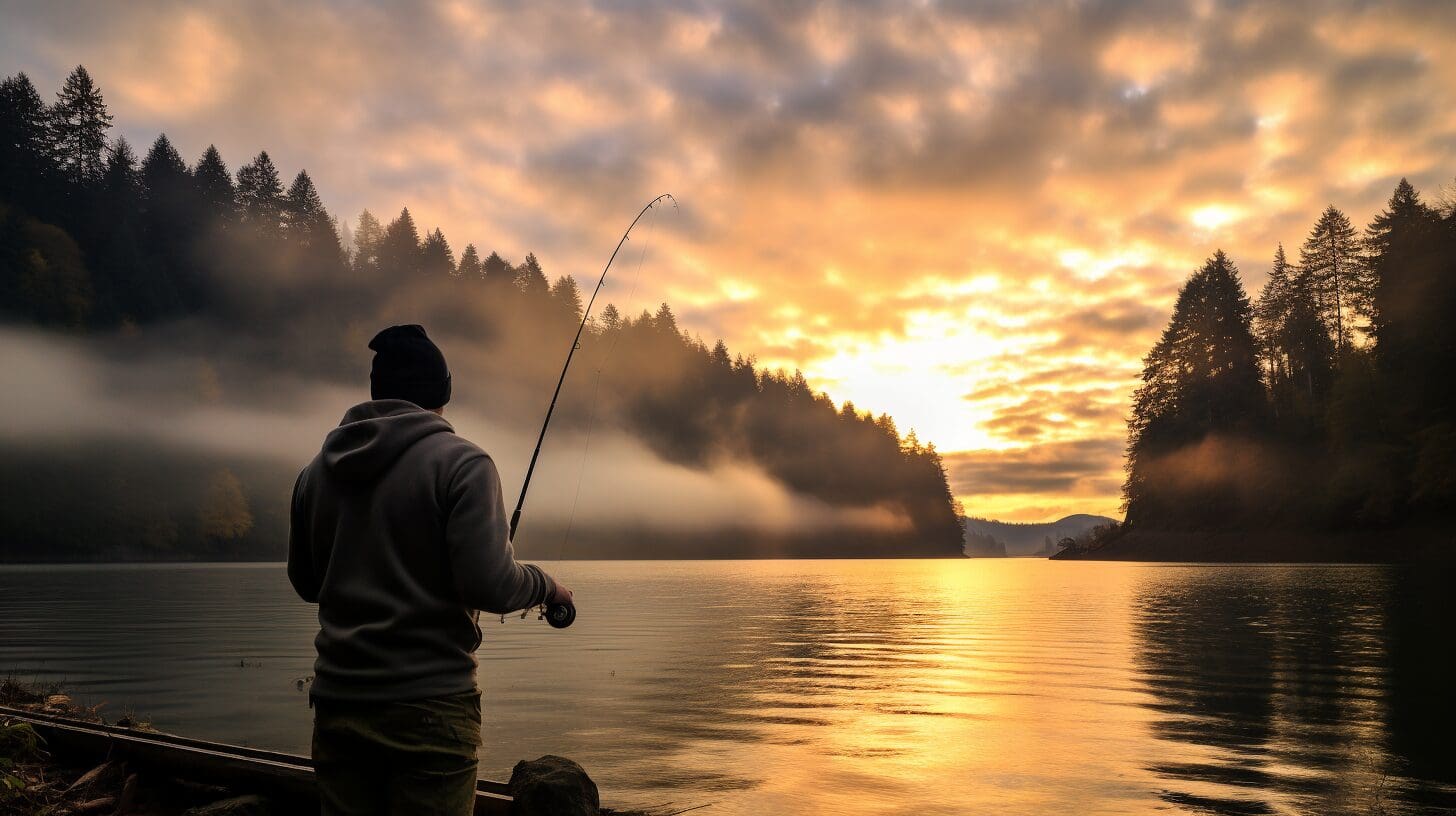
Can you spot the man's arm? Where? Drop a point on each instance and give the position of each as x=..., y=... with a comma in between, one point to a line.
x=300, y=547
x=477, y=535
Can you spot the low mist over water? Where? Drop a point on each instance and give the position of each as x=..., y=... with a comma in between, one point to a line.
x=924, y=687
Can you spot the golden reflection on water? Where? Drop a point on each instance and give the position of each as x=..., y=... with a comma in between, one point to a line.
x=855, y=687
x=1033, y=687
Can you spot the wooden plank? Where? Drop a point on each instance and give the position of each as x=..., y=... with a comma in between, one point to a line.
x=288, y=777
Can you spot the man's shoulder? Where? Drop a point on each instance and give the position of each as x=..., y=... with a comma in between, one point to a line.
x=452, y=447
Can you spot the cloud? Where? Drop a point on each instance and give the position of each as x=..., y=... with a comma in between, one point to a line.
x=1029, y=181
x=1037, y=481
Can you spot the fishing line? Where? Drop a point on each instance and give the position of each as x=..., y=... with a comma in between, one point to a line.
x=561, y=615
x=596, y=391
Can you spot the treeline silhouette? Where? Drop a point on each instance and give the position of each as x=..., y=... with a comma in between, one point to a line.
x=94, y=239
x=1328, y=403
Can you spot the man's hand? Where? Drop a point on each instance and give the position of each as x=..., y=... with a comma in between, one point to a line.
x=561, y=595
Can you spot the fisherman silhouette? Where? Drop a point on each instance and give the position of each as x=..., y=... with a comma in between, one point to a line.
x=399, y=533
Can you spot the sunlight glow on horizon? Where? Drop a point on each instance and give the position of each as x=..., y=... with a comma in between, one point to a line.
x=974, y=222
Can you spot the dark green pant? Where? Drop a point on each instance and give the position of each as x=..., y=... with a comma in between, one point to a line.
x=415, y=757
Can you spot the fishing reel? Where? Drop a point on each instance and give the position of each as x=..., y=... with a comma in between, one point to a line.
x=560, y=616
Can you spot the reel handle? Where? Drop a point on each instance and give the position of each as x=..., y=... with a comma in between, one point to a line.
x=560, y=616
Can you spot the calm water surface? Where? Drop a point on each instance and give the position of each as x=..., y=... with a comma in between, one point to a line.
x=852, y=687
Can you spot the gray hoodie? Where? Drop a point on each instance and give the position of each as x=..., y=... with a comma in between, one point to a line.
x=398, y=533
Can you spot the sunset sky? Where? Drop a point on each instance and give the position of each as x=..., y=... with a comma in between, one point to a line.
x=973, y=216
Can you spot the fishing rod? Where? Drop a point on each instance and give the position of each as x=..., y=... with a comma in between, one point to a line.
x=561, y=616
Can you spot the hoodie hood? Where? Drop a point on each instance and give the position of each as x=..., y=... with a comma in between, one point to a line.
x=373, y=434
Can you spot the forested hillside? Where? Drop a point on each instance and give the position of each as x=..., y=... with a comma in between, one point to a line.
x=148, y=254
x=1326, y=404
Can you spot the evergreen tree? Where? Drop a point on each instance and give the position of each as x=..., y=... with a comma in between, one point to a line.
x=1201, y=378
x=121, y=181
x=1294, y=342
x=666, y=322
x=470, y=267
x=310, y=230
x=1331, y=256
x=496, y=271
x=1405, y=219
x=611, y=318
x=79, y=121
x=1269, y=316
x=1413, y=266
x=567, y=297
x=530, y=279
x=436, y=258
x=260, y=196
x=164, y=174
x=1308, y=354
x=720, y=358
x=399, y=251
x=117, y=268
x=215, y=192
x=26, y=160
x=169, y=230
x=368, y=238
x=305, y=221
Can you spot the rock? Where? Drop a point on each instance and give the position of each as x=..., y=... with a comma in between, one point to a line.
x=58, y=700
x=97, y=805
x=553, y=786
x=92, y=776
x=237, y=806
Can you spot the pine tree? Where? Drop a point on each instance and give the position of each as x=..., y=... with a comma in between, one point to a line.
x=530, y=279
x=1413, y=266
x=611, y=318
x=399, y=252
x=436, y=258
x=215, y=192
x=1399, y=238
x=368, y=238
x=886, y=424
x=260, y=196
x=469, y=268
x=665, y=321
x=1308, y=353
x=1404, y=212
x=719, y=357
x=567, y=297
x=1331, y=256
x=121, y=181
x=1202, y=377
x=26, y=159
x=496, y=271
x=164, y=174
x=1269, y=316
x=169, y=230
x=79, y=121
x=117, y=268
x=305, y=221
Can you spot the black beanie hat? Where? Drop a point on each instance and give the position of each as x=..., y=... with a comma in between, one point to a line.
x=408, y=366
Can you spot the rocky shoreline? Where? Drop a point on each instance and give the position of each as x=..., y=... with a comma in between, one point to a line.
x=34, y=779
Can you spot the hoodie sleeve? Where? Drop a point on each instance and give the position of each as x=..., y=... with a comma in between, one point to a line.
x=301, y=572
x=477, y=535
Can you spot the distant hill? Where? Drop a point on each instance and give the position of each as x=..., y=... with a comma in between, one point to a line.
x=1026, y=539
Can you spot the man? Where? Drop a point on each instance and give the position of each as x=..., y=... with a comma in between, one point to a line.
x=399, y=533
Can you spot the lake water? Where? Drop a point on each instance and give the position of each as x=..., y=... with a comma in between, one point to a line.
x=852, y=687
